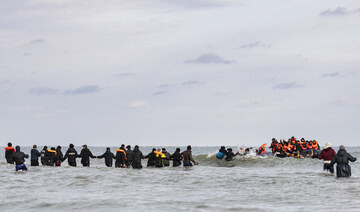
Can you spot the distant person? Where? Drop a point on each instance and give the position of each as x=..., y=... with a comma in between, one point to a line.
x=9, y=153
x=151, y=158
x=19, y=159
x=166, y=161
x=187, y=156
x=108, y=156
x=342, y=159
x=85, y=156
x=230, y=154
x=35, y=154
x=59, y=156
x=137, y=156
x=71, y=154
x=176, y=158
x=120, y=157
x=44, y=156
x=222, y=152
x=327, y=155
x=52, y=156
x=129, y=156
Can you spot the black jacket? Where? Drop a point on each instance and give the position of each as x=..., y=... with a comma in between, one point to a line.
x=120, y=158
x=71, y=154
x=129, y=156
x=59, y=156
x=85, y=156
x=137, y=156
x=176, y=158
x=342, y=159
x=9, y=155
x=151, y=159
x=229, y=156
x=109, y=156
x=19, y=157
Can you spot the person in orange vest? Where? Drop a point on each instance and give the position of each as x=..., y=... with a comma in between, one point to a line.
x=120, y=157
x=9, y=152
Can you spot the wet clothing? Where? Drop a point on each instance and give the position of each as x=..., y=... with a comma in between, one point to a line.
x=34, y=157
x=120, y=158
x=327, y=154
x=71, y=154
x=108, y=156
x=187, y=155
x=44, y=157
x=221, y=154
x=129, y=157
x=159, y=160
x=51, y=156
x=166, y=161
x=342, y=159
x=151, y=159
x=9, y=153
x=59, y=157
x=137, y=156
x=176, y=158
x=85, y=156
x=230, y=155
x=19, y=157
x=21, y=167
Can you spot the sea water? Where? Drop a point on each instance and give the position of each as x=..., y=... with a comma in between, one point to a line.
x=244, y=184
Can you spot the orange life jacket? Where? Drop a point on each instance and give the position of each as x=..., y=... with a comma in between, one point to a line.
x=302, y=146
x=121, y=150
x=286, y=147
x=315, y=145
x=262, y=149
x=309, y=146
x=9, y=148
x=53, y=151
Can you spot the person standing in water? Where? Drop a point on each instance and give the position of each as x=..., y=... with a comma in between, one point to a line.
x=9, y=153
x=342, y=159
x=108, y=156
x=166, y=161
x=71, y=154
x=44, y=156
x=59, y=156
x=151, y=158
x=85, y=156
x=176, y=158
x=120, y=157
x=19, y=159
x=187, y=155
x=35, y=154
x=137, y=156
x=327, y=155
x=129, y=156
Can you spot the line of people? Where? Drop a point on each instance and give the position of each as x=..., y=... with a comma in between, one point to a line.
x=124, y=157
x=292, y=148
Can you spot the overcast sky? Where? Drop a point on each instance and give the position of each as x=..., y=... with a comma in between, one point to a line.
x=169, y=72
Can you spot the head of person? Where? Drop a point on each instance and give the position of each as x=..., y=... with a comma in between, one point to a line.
x=71, y=145
x=128, y=147
x=122, y=146
x=163, y=150
x=159, y=149
x=17, y=148
x=178, y=149
x=9, y=144
x=136, y=147
x=247, y=150
x=342, y=147
x=58, y=147
x=107, y=148
x=84, y=146
x=229, y=150
x=222, y=148
x=153, y=149
x=327, y=145
x=53, y=148
x=188, y=147
x=45, y=148
x=34, y=146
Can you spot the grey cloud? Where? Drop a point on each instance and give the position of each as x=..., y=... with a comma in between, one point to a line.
x=85, y=89
x=339, y=11
x=192, y=82
x=209, y=58
x=36, y=41
x=125, y=74
x=43, y=91
x=334, y=74
x=287, y=85
x=165, y=85
x=4, y=82
x=159, y=93
x=255, y=45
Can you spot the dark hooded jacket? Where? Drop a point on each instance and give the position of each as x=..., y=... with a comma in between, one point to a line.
x=327, y=154
x=129, y=156
x=120, y=158
x=137, y=156
x=19, y=157
x=51, y=157
x=71, y=154
x=59, y=156
x=342, y=159
x=85, y=156
x=108, y=156
x=35, y=154
x=230, y=155
x=9, y=155
x=176, y=158
x=151, y=159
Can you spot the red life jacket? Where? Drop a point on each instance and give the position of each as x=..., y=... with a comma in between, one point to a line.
x=315, y=145
x=309, y=146
x=9, y=148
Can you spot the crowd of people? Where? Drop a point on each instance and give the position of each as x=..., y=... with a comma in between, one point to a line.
x=124, y=157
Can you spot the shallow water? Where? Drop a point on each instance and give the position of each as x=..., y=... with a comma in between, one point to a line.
x=244, y=184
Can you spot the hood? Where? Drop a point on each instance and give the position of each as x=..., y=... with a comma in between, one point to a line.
x=136, y=149
x=17, y=148
x=341, y=152
x=327, y=149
